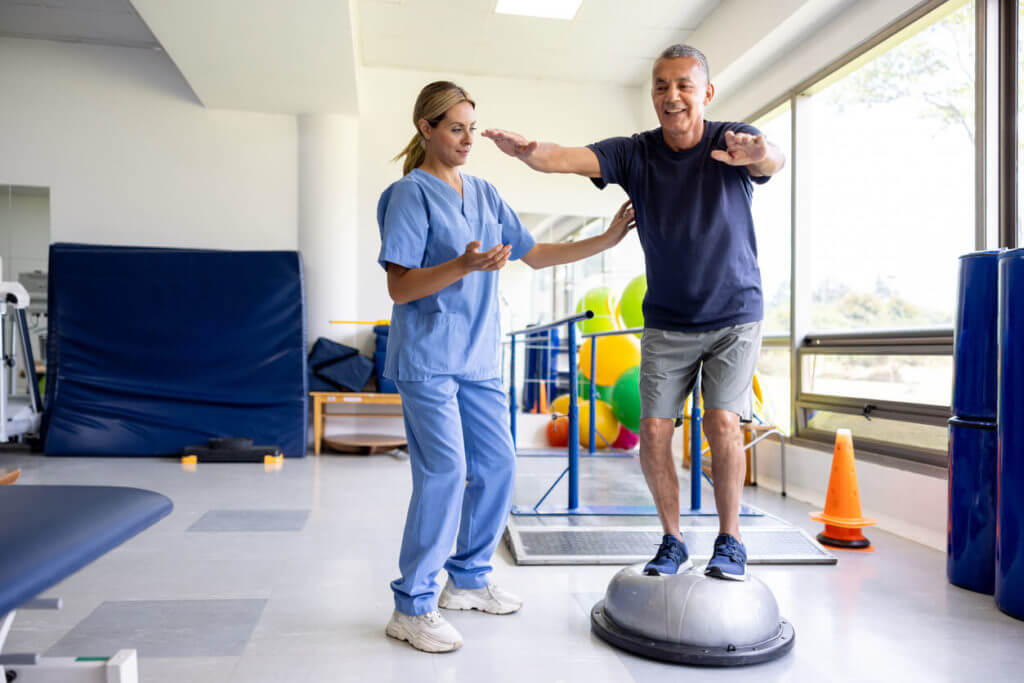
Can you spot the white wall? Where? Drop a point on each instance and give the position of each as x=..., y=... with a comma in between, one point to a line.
x=328, y=227
x=570, y=114
x=908, y=504
x=131, y=157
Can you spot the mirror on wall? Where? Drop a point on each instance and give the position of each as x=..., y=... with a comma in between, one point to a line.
x=24, y=248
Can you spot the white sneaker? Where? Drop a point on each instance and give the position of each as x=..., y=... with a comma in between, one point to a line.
x=429, y=632
x=490, y=599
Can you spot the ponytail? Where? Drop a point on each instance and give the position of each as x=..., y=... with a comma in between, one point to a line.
x=432, y=104
x=414, y=154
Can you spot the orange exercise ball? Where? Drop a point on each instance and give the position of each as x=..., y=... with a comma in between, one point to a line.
x=558, y=432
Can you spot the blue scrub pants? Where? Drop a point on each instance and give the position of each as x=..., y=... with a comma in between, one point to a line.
x=463, y=467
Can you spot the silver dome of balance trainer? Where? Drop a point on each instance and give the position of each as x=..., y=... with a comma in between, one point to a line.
x=692, y=619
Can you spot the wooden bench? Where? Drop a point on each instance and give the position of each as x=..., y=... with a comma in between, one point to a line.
x=321, y=399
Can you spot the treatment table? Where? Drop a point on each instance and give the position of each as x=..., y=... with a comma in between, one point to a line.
x=47, y=533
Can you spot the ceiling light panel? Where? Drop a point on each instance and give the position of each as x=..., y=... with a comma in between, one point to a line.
x=541, y=9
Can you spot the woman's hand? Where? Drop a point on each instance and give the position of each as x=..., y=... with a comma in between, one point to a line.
x=546, y=254
x=410, y=284
x=492, y=259
x=622, y=223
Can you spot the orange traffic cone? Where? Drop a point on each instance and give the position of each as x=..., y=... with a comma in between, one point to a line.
x=842, y=516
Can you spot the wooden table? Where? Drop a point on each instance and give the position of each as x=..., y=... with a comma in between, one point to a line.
x=322, y=398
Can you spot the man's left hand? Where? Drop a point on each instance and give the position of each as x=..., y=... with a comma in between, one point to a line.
x=741, y=149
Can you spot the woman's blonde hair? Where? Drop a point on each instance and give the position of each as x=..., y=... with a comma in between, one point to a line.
x=433, y=102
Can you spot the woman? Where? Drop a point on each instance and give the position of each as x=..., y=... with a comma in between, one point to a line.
x=444, y=236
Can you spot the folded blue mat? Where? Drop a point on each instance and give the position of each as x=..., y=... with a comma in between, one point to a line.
x=339, y=366
x=150, y=350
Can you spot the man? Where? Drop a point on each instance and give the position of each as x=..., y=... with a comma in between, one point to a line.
x=690, y=182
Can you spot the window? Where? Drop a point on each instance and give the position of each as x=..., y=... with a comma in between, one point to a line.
x=773, y=374
x=772, y=223
x=772, y=210
x=908, y=379
x=889, y=180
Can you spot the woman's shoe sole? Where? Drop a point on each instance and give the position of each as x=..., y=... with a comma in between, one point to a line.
x=447, y=601
x=424, y=644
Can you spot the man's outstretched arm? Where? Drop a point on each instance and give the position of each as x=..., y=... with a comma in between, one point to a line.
x=546, y=157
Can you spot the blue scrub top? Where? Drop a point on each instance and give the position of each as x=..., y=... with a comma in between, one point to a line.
x=424, y=222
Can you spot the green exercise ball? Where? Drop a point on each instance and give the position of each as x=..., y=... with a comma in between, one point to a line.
x=626, y=399
x=601, y=301
x=632, y=302
x=599, y=323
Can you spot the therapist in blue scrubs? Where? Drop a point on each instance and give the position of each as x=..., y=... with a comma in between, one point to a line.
x=444, y=236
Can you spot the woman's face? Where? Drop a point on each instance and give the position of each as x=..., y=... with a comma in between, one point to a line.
x=450, y=141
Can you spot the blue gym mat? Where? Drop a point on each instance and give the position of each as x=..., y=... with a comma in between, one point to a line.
x=151, y=350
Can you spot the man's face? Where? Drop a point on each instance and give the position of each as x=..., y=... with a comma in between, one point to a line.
x=679, y=92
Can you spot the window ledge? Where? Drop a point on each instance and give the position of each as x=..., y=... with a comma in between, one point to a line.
x=876, y=458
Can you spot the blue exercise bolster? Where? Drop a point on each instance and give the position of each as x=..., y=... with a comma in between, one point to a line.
x=48, y=533
x=150, y=350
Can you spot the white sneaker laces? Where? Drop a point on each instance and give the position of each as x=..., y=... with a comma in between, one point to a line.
x=433, y=618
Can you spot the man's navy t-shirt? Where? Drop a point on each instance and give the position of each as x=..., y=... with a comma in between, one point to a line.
x=694, y=223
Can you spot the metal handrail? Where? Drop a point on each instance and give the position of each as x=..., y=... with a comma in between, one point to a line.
x=696, y=468
x=574, y=434
x=612, y=333
x=585, y=315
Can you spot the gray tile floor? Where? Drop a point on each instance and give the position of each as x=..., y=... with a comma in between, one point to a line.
x=311, y=604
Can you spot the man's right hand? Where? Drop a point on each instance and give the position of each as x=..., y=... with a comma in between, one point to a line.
x=512, y=144
x=492, y=259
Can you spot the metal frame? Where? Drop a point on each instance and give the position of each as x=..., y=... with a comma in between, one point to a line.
x=14, y=424
x=927, y=342
x=1007, y=134
x=121, y=668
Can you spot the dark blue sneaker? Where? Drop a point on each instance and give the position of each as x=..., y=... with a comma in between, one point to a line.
x=671, y=558
x=729, y=560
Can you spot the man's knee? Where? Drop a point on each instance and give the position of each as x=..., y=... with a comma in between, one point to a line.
x=656, y=429
x=721, y=426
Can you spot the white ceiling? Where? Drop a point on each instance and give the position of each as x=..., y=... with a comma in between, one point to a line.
x=103, y=22
x=281, y=56
x=609, y=41
x=303, y=56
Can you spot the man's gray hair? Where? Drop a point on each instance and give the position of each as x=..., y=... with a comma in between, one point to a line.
x=679, y=50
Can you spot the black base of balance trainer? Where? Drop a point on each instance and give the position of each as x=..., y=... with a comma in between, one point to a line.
x=696, y=655
x=232, y=449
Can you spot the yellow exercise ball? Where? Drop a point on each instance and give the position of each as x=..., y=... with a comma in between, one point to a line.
x=615, y=355
x=560, y=406
x=606, y=428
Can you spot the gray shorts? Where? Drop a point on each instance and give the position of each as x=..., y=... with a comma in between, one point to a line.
x=669, y=363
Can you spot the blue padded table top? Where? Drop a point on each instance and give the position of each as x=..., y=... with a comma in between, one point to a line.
x=48, y=533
